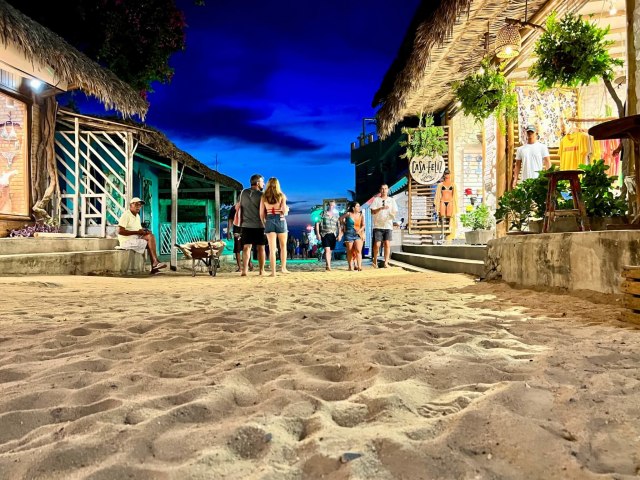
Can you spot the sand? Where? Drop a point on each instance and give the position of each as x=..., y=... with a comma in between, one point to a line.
x=382, y=374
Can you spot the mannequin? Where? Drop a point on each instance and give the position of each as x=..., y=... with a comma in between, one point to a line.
x=445, y=201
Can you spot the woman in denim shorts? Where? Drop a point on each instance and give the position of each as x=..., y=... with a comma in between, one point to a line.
x=273, y=208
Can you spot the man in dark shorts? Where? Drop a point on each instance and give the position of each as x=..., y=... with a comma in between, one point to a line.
x=328, y=230
x=252, y=226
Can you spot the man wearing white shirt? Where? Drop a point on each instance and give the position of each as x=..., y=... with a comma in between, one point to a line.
x=384, y=210
x=531, y=157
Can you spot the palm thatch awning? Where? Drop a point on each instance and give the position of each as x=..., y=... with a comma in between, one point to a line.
x=151, y=138
x=42, y=46
x=444, y=44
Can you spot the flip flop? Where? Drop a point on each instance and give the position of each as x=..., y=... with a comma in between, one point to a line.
x=154, y=271
x=158, y=266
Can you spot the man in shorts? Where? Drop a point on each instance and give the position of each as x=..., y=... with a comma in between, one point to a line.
x=252, y=226
x=329, y=230
x=384, y=210
x=131, y=235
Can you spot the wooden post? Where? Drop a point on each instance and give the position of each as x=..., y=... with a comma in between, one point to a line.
x=174, y=214
x=632, y=72
x=129, y=163
x=76, y=174
x=217, y=207
x=501, y=177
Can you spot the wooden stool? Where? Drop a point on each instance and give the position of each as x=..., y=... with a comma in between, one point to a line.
x=578, y=209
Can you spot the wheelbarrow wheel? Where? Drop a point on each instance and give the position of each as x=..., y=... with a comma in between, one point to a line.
x=215, y=263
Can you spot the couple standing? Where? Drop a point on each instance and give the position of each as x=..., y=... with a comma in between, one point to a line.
x=262, y=220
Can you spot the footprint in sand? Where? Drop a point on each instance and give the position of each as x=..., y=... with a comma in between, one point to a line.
x=437, y=409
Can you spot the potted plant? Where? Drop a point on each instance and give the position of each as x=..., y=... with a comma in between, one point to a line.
x=479, y=221
x=426, y=140
x=603, y=207
x=516, y=206
x=573, y=52
x=487, y=92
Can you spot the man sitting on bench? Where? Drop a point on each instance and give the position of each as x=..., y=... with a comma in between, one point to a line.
x=132, y=236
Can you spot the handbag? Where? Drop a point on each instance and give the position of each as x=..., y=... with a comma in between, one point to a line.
x=237, y=218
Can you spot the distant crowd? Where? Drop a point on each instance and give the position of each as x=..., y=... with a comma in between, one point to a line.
x=259, y=223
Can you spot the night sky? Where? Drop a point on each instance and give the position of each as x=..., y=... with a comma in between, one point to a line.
x=280, y=88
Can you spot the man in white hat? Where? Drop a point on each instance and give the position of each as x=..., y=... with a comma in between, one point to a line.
x=132, y=236
x=531, y=157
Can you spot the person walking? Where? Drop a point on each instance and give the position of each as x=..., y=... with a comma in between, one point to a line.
x=252, y=227
x=273, y=208
x=531, y=157
x=354, y=227
x=329, y=230
x=384, y=209
x=304, y=245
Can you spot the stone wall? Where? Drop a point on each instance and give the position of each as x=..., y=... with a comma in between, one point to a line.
x=467, y=137
x=576, y=261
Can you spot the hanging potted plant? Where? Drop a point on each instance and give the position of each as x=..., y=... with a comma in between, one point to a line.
x=573, y=52
x=426, y=140
x=487, y=92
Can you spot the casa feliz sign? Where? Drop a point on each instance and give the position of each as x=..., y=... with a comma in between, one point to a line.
x=427, y=170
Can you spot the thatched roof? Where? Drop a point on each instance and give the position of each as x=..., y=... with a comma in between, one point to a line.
x=42, y=46
x=444, y=45
x=151, y=138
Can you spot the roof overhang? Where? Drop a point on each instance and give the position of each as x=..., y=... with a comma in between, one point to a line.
x=15, y=61
x=448, y=45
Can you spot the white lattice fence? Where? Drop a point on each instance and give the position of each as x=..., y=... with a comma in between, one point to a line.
x=187, y=232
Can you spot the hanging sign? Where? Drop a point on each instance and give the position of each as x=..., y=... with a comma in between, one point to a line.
x=427, y=170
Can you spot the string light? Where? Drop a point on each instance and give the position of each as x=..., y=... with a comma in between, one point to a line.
x=612, y=10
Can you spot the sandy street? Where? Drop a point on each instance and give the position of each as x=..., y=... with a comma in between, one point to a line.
x=380, y=374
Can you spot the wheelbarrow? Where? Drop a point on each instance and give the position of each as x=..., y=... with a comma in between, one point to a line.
x=207, y=256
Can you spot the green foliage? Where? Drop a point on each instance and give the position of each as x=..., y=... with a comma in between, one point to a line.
x=477, y=219
x=528, y=199
x=487, y=92
x=517, y=205
x=598, y=198
x=571, y=53
x=425, y=140
x=132, y=38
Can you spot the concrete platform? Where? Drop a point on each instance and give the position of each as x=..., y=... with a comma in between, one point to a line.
x=441, y=263
x=576, y=261
x=20, y=246
x=467, y=252
x=100, y=262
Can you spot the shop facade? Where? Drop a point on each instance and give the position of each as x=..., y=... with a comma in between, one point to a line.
x=456, y=37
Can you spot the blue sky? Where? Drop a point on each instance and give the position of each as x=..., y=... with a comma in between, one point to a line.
x=280, y=88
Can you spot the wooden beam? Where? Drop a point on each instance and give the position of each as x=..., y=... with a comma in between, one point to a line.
x=174, y=214
x=217, y=211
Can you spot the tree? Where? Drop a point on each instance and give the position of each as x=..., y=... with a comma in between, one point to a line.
x=132, y=38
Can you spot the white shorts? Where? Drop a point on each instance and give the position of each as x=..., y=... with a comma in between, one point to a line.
x=138, y=245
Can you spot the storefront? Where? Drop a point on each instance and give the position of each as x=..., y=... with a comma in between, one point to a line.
x=482, y=154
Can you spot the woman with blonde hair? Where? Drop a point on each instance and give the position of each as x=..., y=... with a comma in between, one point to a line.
x=273, y=208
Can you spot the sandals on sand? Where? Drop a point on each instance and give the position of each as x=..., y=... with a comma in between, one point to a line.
x=157, y=267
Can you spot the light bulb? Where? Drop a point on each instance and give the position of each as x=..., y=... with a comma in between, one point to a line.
x=481, y=71
x=508, y=50
x=35, y=84
x=613, y=10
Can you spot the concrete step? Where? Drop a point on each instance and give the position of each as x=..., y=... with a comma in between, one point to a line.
x=441, y=264
x=21, y=246
x=98, y=262
x=467, y=252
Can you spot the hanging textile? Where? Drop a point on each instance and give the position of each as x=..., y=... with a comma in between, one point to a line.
x=547, y=111
x=611, y=155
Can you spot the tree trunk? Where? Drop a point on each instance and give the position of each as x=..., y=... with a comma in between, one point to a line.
x=614, y=95
x=45, y=156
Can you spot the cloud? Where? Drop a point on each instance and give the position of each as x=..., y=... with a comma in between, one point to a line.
x=241, y=124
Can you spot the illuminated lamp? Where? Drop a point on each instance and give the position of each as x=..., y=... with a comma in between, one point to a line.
x=35, y=84
x=508, y=42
